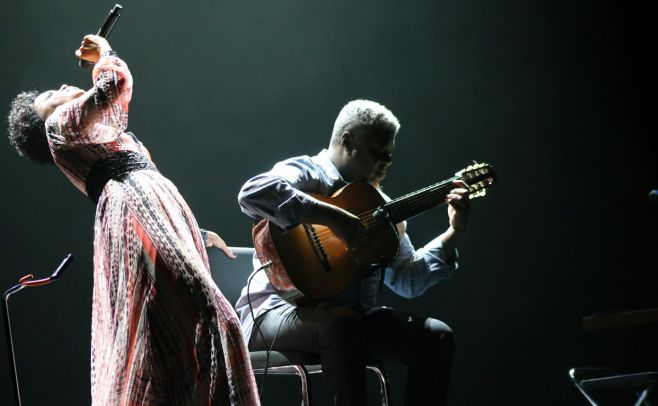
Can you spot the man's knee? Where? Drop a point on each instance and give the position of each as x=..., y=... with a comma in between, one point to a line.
x=440, y=338
x=344, y=325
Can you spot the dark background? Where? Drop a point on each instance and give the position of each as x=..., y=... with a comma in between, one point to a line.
x=560, y=96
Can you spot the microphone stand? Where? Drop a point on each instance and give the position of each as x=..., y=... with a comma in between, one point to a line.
x=25, y=281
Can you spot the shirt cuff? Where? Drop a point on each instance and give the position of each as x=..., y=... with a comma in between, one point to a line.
x=436, y=258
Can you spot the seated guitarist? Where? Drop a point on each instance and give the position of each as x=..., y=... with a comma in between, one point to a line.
x=349, y=329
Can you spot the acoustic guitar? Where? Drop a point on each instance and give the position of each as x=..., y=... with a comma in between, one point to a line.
x=310, y=263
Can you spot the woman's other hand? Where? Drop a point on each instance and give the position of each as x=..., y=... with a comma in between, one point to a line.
x=92, y=47
x=216, y=241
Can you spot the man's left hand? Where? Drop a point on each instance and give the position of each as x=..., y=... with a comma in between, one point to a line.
x=459, y=206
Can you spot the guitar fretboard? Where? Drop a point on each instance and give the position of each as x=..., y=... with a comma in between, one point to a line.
x=415, y=203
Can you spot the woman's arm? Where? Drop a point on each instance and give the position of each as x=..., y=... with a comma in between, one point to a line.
x=213, y=240
x=101, y=114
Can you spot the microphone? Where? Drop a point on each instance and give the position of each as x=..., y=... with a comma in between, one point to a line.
x=653, y=196
x=105, y=30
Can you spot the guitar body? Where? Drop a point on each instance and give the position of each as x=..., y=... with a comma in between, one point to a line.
x=317, y=263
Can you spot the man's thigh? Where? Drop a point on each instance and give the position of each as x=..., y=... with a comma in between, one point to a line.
x=290, y=328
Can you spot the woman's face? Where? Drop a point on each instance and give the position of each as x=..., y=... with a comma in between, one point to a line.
x=47, y=102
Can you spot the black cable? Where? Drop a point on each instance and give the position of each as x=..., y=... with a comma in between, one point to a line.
x=257, y=326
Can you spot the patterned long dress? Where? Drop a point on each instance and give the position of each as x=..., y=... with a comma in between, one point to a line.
x=162, y=332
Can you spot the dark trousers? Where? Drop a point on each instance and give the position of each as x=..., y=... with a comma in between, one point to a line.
x=345, y=338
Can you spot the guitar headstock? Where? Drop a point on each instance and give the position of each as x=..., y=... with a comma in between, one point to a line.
x=478, y=177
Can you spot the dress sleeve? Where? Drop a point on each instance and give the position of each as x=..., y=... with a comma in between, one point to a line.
x=101, y=115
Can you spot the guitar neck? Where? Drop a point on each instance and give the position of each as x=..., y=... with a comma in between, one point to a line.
x=415, y=203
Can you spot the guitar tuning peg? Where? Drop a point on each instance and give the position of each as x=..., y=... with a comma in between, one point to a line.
x=479, y=193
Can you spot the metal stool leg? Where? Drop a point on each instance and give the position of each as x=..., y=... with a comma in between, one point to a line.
x=292, y=369
x=383, y=384
x=643, y=396
x=576, y=382
x=305, y=392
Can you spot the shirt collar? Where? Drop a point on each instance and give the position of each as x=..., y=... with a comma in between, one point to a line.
x=322, y=159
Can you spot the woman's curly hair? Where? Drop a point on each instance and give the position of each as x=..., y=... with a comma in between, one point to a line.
x=27, y=131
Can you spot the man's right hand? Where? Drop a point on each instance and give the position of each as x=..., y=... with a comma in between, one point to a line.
x=348, y=228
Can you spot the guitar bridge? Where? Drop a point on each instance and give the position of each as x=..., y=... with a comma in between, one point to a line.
x=317, y=246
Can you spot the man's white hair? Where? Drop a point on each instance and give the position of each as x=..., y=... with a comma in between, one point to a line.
x=363, y=113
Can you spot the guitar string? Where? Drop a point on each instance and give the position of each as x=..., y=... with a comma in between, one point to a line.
x=371, y=222
x=416, y=201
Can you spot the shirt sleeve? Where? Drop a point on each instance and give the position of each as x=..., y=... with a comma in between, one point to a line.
x=102, y=116
x=276, y=195
x=415, y=271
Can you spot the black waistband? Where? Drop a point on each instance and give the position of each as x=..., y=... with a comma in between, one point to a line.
x=115, y=167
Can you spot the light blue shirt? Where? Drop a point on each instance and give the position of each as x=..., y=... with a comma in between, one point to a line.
x=281, y=196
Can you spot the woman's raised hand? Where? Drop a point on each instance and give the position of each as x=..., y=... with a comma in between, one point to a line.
x=91, y=48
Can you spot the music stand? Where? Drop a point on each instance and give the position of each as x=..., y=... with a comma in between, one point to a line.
x=26, y=281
